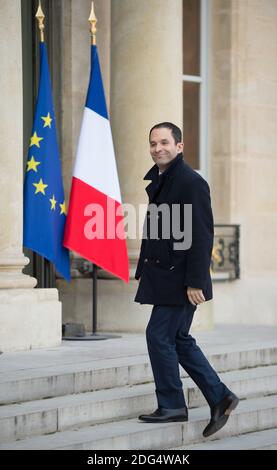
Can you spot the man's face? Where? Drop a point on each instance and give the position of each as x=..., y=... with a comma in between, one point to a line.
x=163, y=148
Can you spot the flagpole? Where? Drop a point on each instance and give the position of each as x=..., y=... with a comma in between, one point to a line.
x=92, y=20
x=45, y=264
x=94, y=336
x=40, y=267
x=94, y=298
x=40, y=18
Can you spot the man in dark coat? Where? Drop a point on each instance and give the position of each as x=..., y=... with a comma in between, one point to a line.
x=174, y=277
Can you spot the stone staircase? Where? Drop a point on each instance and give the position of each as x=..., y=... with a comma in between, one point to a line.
x=94, y=404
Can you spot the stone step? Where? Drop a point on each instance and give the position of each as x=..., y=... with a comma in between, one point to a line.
x=60, y=413
x=261, y=440
x=245, y=383
x=40, y=382
x=251, y=415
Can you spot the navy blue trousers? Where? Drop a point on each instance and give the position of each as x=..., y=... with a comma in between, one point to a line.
x=169, y=345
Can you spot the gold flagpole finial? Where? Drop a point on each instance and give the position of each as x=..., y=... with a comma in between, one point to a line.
x=40, y=17
x=93, y=20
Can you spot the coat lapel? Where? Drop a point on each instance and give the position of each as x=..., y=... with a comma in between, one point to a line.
x=158, y=190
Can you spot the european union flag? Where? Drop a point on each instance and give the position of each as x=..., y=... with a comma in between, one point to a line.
x=44, y=204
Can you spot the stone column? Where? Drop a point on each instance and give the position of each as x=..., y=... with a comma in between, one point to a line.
x=12, y=260
x=75, y=69
x=146, y=88
x=243, y=144
x=145, y=48
x=23, y=311
x=76, y=296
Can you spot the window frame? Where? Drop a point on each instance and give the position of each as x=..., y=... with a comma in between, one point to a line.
x=203, y=80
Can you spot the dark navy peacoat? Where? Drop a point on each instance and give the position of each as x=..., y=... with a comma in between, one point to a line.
x=163, y=272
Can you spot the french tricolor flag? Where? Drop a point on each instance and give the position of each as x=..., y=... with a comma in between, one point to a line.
x=95, y=226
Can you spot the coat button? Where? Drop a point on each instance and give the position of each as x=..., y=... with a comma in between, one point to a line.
x=157, y=260
x=146, y=260
x=171, y=267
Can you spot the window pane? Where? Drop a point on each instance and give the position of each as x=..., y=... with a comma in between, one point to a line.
x=191, y=123
x=191, y=37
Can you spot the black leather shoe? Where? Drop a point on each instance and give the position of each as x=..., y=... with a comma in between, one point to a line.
x=165, y=415
x=220, y=414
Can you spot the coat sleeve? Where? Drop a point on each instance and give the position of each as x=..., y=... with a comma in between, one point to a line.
x=199, y=254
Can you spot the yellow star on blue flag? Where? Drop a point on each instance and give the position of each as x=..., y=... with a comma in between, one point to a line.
x=43, y=225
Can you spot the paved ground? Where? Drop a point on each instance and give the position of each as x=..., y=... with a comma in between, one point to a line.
x=225, y=338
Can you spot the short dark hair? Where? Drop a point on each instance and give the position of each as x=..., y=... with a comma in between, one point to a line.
x=175, y=131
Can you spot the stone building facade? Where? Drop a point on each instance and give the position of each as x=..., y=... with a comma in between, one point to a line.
x=142, y=47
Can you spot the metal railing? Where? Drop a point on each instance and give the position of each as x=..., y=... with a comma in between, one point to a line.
x=225, y=263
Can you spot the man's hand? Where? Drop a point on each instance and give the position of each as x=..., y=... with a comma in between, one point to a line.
x=195, y=295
